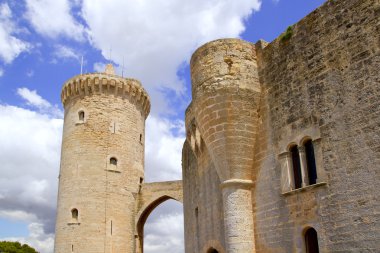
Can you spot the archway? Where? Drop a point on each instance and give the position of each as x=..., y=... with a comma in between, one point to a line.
x=149, y=211
x=311, y=241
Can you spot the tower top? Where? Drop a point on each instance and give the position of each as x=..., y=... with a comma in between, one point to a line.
x=109, y=69
x=106, y=83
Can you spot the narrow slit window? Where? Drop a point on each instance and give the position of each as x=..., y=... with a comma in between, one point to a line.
x=113, y=161
x=140, y=138
x=74, y=214
x=111, y=227
x=311, y=241
x=310, y=160
x=141, y=180
x=81, y=115
x=296, y=167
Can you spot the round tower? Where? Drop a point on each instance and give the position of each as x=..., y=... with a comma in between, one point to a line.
x=226, y=94
x=102, y=163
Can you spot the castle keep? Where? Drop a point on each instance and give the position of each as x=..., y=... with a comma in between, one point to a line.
x=282, y=147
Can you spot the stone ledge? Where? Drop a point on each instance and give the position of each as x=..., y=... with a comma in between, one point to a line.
x=305, y=188
x=240, y=183
x=73, y=223
x=113, y=171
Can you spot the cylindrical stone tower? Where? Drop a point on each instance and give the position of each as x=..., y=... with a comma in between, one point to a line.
x=102, y=163
x=226, y=94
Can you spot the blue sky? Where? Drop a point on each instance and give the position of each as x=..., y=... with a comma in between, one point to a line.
x=41, y=44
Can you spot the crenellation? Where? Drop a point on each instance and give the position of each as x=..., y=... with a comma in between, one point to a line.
x=89, y=84
x=281, y=151
x=102, y=164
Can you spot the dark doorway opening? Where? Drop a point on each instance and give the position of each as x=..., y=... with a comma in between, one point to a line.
x=311, y=241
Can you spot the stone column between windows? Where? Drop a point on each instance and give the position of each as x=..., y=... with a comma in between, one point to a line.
x=303, y=162
x=287, y=178
x=238, y=216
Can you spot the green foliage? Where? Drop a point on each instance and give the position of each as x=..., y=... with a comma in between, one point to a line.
x=287, y=34
x=15, y=247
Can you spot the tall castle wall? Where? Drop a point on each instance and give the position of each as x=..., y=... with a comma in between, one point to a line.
x=320, y=82
x=103, y=192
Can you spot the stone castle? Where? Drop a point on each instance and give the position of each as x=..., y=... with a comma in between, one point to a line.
x=282, y=150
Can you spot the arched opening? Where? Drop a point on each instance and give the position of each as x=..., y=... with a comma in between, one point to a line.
x=311, y=241
x=74, y=214
x=296, y=166
x=160, y=227
x=81, y=115
x=212, y=250
x=310, y=161
x=113, y=161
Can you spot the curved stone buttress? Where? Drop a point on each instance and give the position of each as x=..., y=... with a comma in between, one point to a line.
x=226, y=94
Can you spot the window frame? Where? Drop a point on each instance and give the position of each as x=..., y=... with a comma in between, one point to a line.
x=288, y=179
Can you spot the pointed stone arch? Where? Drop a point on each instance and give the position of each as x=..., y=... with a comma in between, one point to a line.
x=151, y=196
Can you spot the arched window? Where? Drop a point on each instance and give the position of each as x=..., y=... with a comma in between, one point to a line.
x=74, y=214
x=296, y=166
x=81, y=115
x=212, y=250
x=310, y=161
x=311, y=241
x=113, y=161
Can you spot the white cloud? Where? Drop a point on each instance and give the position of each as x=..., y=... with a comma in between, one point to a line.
x=163, y=149
x=99, y=66
x=33, y=99
x=17, y=215
x=64, y=52
x=156, y=37
x=54, y=19
x=10, y=45
x=37, y=239
x=29, y=158
x=157, y=236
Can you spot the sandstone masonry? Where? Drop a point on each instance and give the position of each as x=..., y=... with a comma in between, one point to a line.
x=282, y=147
x=258, y=110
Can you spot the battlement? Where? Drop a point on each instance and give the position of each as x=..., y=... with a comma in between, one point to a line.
x=97, y=83
x=226, y=63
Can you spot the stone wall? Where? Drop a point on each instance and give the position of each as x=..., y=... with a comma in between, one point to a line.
x=319, y=81
x=150, y=196
x=323, y=83
x=203, y=208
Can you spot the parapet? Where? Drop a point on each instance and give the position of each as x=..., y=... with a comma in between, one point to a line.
x=108, y=84
x=224, y=63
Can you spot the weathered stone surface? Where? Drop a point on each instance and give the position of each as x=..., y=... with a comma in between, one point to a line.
x=322, y=83
x=105, y=119
x=254, y=106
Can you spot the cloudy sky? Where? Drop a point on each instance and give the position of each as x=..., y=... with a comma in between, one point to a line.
x=41, y=44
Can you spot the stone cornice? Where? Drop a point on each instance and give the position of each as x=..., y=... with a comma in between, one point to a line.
x=96, y=83
x=237, y=183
